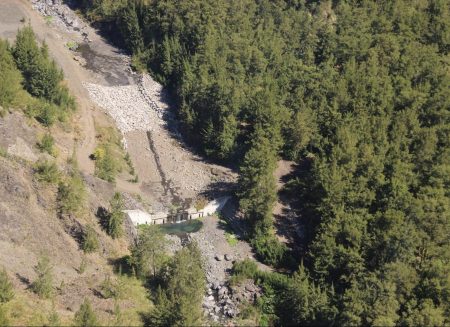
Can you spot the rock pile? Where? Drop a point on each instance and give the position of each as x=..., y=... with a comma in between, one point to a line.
x=222, y=301
x=126, y=105
x=62, y=15
x=153, y=94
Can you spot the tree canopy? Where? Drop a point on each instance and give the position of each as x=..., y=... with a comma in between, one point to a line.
x=359, y=90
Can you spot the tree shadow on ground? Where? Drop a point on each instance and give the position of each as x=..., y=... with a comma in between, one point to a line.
x=23, y=280
x=219, y=188
x=298, y=218
x=122, y=266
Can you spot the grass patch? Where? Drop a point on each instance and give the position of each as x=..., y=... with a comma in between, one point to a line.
x=72, y=45
x=231, y=239
x=48, y=19
x=230, y=236
x=132, y=289
x=46, y=144
x=3, y=152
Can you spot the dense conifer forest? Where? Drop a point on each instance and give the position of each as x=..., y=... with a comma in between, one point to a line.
x=357, y=92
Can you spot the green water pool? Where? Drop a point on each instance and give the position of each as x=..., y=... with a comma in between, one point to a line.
x=185, y=227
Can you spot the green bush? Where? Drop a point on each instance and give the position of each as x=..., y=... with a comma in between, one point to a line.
x=83, y=265
x=90, y=240
x=248, y=269
x=46, y=144
x=269, y=249
x=46, y=113
x=53, y=319
x=72, y=45
x=46, y=171
x=106, y=166
x=135, y=179
x=231, y=239
x=64, y=100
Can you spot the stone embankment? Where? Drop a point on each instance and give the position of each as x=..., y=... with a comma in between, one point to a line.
x=126, y=105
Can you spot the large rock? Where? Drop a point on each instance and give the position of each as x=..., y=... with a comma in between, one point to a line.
x=223, y=290
x=21, y=149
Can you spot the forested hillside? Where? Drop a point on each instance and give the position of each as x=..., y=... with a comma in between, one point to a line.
x=359, y=90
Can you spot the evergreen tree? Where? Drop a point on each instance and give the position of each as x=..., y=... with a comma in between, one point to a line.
x=42, y=286
x=305, y=303
x=129, y=25
x=149, y=255
x=179, y=304
x=41, y=76
x=256, y=181
x=85, y=316
x=186, y=285
x=10, y=83
x=116, y=216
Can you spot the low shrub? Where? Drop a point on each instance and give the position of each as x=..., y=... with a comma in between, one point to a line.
x=46, y=171
x=46, y=144
x=90, y=240
x=110, y=289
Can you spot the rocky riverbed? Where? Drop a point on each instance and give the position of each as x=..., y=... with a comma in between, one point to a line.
x=221, y=302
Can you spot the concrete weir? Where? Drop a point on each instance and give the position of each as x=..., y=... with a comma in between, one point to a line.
x=140, y=217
